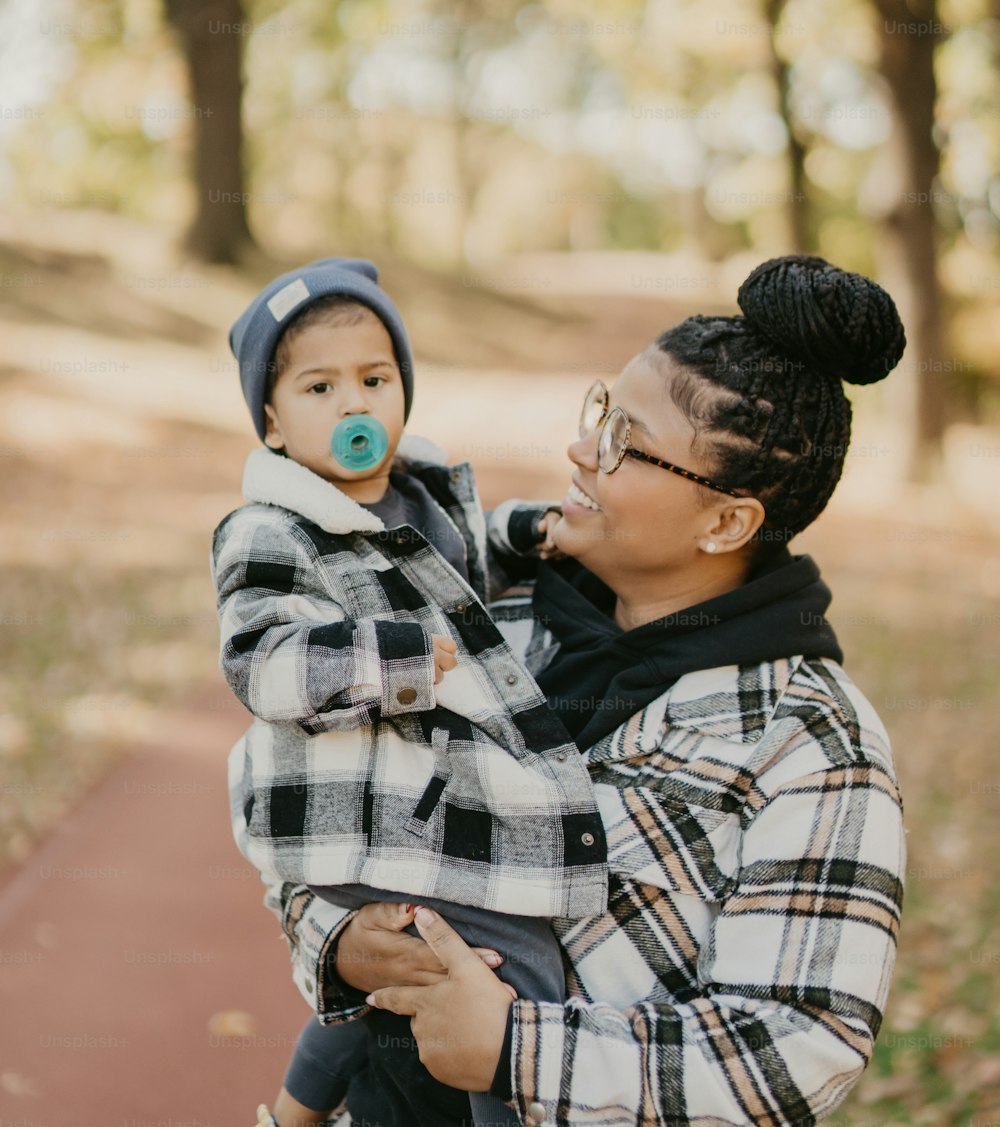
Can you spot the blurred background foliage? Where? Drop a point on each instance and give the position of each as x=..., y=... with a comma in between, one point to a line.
x=564, y=125
x=456, y=135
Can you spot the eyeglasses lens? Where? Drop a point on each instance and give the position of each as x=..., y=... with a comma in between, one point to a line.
x=593, y=410
x=612, y=441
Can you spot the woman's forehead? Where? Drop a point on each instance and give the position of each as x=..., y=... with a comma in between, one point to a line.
x=643, y=393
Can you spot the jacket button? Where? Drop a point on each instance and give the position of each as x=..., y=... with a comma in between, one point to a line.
x=587, y=839
x=460, y=609
x=511, y=678
x=310, y=985
x=536, y=1111
x=561, y=756
x=406, y=696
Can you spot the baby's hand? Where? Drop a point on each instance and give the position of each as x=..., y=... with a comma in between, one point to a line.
x=444, y=656
x=547, y=546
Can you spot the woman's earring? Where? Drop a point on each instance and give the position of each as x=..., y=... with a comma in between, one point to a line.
x=710, y=546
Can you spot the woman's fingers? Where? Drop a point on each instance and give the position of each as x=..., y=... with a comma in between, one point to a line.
x=387, y=915
x=491, y=958
x=450, y=948
x=374, y=950
x=399, y=999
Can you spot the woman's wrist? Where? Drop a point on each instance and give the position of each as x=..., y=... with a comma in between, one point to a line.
x=344, y=955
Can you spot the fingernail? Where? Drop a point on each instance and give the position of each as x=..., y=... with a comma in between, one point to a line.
x=425, y=915
x=493, y=960
x=370, y=999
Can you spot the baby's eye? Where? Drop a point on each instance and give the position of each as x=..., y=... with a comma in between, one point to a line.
x=319, y=388
x=374, y=381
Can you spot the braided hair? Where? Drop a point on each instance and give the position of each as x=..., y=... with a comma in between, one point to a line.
x=763, y=391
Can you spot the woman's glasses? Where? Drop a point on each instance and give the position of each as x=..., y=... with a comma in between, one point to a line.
x=614, y=439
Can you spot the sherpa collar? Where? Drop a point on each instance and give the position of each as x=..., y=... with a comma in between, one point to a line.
x=273, y=479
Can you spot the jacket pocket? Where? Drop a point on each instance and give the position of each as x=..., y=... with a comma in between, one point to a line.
x=431, y=797
x=671, y=843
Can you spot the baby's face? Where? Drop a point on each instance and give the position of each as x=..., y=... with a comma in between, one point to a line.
x=333, y=372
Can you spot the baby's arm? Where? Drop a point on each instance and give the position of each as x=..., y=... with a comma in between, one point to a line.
x=289, y=651
x=518, y=534
x=547, y=548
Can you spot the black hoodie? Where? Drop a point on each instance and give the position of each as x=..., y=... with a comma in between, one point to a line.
x=602, y=675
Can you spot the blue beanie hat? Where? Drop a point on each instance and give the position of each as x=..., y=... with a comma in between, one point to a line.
x=254, y=336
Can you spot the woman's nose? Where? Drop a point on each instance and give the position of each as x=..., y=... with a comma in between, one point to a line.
x=583, y=452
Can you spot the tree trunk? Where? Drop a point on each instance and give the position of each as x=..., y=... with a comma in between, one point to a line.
x=464, y=15
x=909, y=31
x=797, y=215
x=211, y=34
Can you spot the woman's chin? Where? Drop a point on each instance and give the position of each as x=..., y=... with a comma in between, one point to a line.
x=579, y=537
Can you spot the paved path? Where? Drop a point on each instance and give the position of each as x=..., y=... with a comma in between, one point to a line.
x=134, y=941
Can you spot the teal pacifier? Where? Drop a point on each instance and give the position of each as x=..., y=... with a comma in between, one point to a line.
x=359, y=442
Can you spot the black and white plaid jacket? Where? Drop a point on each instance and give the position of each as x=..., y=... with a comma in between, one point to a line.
x=740, y=972
x=358, y=768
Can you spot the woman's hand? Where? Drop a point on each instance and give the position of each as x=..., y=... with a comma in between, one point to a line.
x=374, y=951
x=459, y=1020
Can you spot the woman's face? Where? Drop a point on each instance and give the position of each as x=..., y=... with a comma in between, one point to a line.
x=640, y=520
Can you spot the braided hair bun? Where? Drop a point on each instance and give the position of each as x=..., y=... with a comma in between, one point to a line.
x=831, y=321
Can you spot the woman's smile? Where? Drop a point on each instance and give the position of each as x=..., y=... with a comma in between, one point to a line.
x=576, y=500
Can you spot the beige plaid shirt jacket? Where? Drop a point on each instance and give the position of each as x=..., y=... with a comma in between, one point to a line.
x=756, y=855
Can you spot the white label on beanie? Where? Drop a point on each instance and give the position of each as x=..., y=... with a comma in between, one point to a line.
x=286, y=299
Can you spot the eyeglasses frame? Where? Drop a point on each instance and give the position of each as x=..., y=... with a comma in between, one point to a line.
x=639, y=455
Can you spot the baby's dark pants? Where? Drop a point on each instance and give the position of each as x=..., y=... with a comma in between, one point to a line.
x=397, y=1091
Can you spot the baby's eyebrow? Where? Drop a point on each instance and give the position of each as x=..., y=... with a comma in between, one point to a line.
x=333, y=369
x=321, y=371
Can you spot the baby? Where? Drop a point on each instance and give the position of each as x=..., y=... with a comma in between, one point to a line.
x=399, y=749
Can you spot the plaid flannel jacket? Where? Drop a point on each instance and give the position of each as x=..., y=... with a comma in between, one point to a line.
x=739, y=975
x=359, y=769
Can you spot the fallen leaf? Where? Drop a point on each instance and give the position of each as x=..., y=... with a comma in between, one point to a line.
x=232, y=1023
x=17, y=1085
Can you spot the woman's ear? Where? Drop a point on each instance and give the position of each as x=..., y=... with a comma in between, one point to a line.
x=734, y=524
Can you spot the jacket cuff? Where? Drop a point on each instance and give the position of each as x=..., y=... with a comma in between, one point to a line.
x=538, y=1044
x=406, y=658
x=522, y=527
x=336, y=1001
x=313, y=928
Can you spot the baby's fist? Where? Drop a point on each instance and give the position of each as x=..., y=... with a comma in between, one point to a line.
x=546, y=544
x=444, y=656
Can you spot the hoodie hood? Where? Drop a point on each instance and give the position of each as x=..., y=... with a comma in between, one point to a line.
x=602, y=675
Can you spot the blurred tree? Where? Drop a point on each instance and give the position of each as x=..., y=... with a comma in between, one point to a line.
x=800, y=238
x=211, y=34
x=909, y=32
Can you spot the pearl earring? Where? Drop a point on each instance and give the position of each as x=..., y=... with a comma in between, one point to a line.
x=710, y=546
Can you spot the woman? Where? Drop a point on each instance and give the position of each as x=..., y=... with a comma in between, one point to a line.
x=746, y=786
